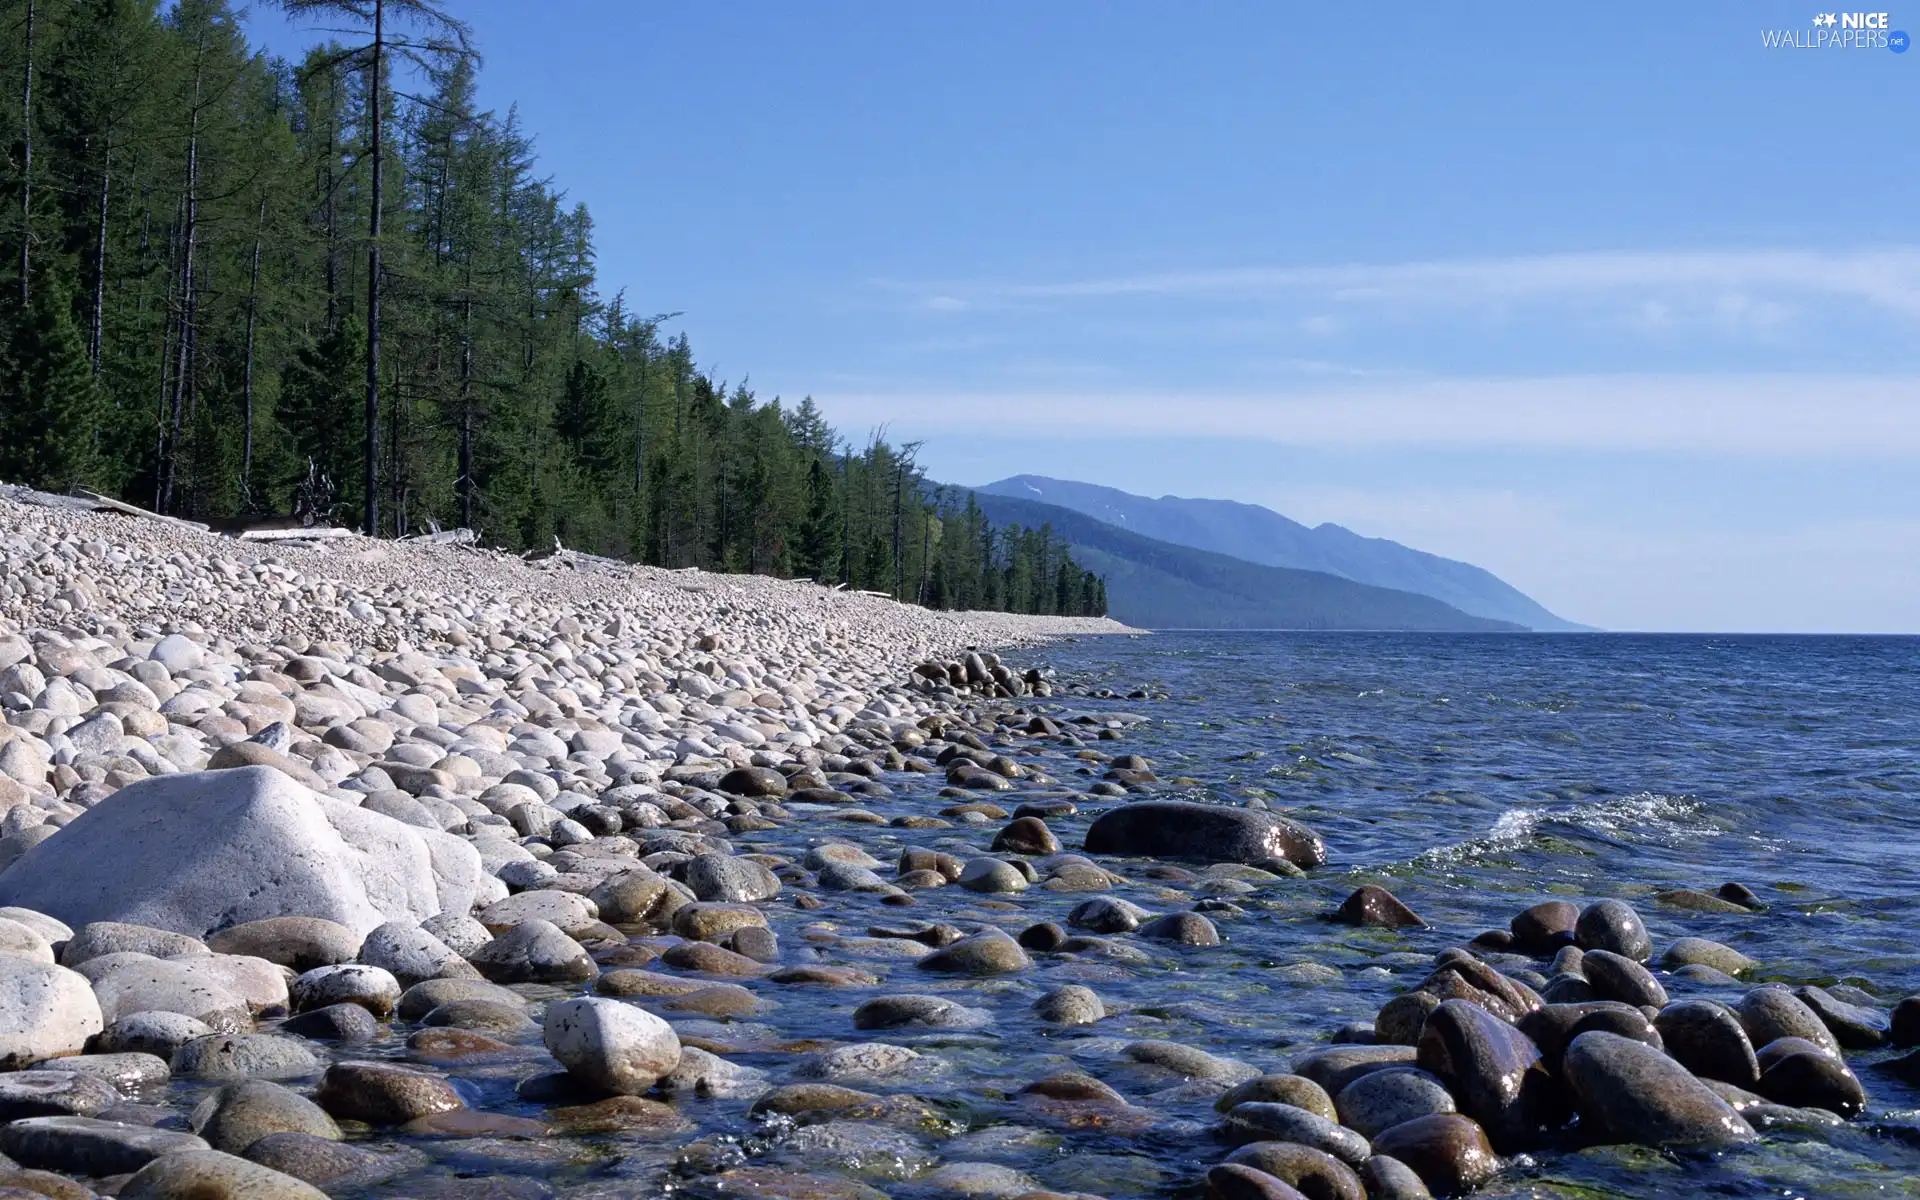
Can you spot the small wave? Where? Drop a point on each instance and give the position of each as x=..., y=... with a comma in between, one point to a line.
x=1642, y=817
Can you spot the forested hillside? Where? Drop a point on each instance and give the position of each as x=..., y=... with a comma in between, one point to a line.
x=337, y=289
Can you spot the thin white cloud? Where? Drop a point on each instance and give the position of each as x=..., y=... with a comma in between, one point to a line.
x=1889, y=277
x=1790, y=416
x=1884, y=277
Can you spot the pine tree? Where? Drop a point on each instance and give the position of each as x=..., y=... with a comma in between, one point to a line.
x=48, y=409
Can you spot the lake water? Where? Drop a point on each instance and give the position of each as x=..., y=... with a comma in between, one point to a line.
x=1476, y=775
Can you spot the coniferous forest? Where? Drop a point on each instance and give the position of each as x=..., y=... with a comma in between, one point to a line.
x=336, y=289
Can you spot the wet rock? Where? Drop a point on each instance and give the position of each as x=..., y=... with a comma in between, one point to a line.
x=1617, y=977
x=1070, y=1005
x=1694, y=951
x=1265, y=1121
x=234, y=1056
x=422, y=998
x=1854, y=1026
x=88, y=1146
x=300, y=943
x=1707, y=1039
x=1771, y=1012
x=709, y=921
x=483, y=1016
x=334, y=1023
x=989, y=952
x=211, y=1175
x=1552, y=1027
x=1810, y=1078
x=323, y=1162
x=1613, y=925
x=861, y=1060
x=1107, y=914
x=1337, y=1066
x=1637, y=1094
x=1378, y=1101
x=1237, y=1181
x=1390, y=1179
x=1401, y=1019
x=372, y=988
x=1296, y=1090
x=1026, y=835
x=1311, y=1172
x=535, y=952
x=1188, y=1062
x=157, y=1033
x=1376, y=906
x=937, y=1012
x=1211, y=832
x=1904, y=1027
x=1183, y=928
x=123, y=1071
x=54, y=1094
x=1044, y=937
x=613, y=1046
x=1449, y=1153
x=1545, y=928
x=721, y=877
x=240, y=1114
x=1496, y=1071
x=383, y=1093
x=991, y=875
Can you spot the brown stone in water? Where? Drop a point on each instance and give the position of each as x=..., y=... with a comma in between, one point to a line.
x=1377, y=907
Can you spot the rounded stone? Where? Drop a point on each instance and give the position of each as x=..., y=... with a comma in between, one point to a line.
x=299, y=943
x=1182, y=928
x=1375, y=906
x=240, y=1114
x=1377, y=1102
x=1070, y=1005
x=1637, y=1094
x=1613, y=925
x=212, y=1175
x=1617, y=977
x=334, y=1023
x=1449, y=1152
x=1296, y=1090
x=1313, y=1173
x=1707, y=1039
x=613, y=1046
x=383, y=1093
x=1266, y=1121
x=372, y=988
x=989, y=952
x=235, y=1056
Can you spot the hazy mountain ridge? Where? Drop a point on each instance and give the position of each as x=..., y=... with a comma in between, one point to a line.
x=1161, y=585
x=1262, y=536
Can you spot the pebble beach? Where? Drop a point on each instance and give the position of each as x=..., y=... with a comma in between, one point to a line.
x=359, y=868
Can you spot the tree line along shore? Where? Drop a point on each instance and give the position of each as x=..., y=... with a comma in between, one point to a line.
x=339, y=290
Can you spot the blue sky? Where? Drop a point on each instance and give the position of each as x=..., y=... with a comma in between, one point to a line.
x=1618, y=304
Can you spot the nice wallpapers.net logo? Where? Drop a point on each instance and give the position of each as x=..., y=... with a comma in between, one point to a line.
x=1840, y=31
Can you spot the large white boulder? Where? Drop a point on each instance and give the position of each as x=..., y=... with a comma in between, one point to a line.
x=45, y=1012
x=195, y=853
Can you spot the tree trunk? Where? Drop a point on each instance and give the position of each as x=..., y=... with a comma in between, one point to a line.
x=253, y=314
x=182, y=376
x=375, y=95
x=26, y=173
x=465, y=481
x=96, y=336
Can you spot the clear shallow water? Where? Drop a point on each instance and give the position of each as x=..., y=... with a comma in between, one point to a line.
x=1474, y=776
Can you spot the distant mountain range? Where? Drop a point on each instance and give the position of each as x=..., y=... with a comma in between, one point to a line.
x=1158, y=585
x=1262, y=537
